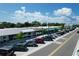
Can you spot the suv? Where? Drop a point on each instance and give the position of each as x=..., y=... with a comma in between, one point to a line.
x=21, y=46
x=48, y=38
x=6, y=51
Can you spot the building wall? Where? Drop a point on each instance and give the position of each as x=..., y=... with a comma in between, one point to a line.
x=2, y=38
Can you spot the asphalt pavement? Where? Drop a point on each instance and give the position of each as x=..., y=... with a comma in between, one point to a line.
x=68, y=48
x=46, y=50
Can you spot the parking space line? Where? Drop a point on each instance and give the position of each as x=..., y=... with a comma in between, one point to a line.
x=64, y=38
x=57, y=42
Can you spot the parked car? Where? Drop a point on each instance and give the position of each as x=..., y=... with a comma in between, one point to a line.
x=60, y=33
x=51, y=36
x=70, y=29
x=63, y=32
x=39, y=40
x=31, y=43
x=6, y=51
x=48, y=38
x=55, y=35
x=20, y=46
x=67, y=30
x=77, y=31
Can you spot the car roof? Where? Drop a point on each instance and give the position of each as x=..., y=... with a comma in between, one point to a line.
x=23, y=43
x=41, y=36
x=6, y=47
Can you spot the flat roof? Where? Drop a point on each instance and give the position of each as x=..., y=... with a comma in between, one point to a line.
x=28, y=30
x=11, y=31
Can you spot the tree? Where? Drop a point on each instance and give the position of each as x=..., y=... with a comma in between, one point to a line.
x=7, y=25
x=44, y=24
x=26, y=24
x=20, y=36
x=19, y=25
x=36, y=23
x=11, y=25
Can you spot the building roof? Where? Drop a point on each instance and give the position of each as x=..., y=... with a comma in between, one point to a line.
x=28, y=30
x=11, y=31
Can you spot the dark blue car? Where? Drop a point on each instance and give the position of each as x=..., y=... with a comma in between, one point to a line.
x=6, y=51
x=21, y=46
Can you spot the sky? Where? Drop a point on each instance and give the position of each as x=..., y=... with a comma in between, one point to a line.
x=42, y=12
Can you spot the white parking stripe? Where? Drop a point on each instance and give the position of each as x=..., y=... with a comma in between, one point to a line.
x=64, y=38
x=56, y=42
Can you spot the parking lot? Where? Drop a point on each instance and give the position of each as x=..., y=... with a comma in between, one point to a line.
x=41, y=45
x=45, y=49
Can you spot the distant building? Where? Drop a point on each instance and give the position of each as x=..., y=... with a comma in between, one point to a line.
x=10, y=33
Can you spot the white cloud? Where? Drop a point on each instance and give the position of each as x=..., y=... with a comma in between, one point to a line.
x=63, y=12
x=23, y=8
x=76, y=19
x=58, y=19
x=23, y=16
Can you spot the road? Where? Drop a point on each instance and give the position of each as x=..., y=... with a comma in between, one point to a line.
x=66, y=47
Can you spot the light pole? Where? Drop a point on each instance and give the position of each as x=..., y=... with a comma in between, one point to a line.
x=47, y=23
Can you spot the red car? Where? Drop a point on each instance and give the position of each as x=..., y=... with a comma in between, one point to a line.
x=39, y=41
